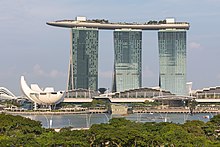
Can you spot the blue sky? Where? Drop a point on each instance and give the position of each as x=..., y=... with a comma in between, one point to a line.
x=40, y=52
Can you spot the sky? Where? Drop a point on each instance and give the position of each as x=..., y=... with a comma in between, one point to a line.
x=40, y=52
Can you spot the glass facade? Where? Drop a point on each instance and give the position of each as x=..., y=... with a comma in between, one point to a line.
x=83, y=67
x=172, y=55
x=127, y=60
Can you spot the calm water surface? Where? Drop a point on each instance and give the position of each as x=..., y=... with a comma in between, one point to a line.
x=86, y=120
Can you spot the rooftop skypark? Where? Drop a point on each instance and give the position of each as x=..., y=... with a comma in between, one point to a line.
x=105, y=24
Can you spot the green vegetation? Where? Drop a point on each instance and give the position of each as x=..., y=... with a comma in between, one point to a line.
x=96, y=103
x=99, y=20
x=119, y=132
x=156, y=22
x=146, y=104
x=9, y=103
x=192, y=105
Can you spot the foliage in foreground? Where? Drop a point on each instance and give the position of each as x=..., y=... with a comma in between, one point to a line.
x=119, y=132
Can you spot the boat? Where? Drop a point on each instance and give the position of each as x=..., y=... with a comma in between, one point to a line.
x=206, y=116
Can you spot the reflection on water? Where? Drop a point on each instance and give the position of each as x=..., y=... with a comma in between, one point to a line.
x=86, y=120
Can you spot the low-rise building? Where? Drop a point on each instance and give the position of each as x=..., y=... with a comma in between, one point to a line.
x=118, y=109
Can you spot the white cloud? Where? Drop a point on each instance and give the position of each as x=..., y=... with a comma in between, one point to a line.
x=56, y=73
x=195, y=45
x=37, y=70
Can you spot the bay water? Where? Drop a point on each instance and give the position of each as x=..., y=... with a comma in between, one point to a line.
x=86, y=120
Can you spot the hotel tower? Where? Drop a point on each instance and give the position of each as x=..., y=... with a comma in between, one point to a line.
x=172, y=55
x=83, y=67
x=127, y=60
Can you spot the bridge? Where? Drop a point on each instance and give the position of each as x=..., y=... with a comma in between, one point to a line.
x=140, y=100
x=78, y=100
x=208, y=100
x=130, y=100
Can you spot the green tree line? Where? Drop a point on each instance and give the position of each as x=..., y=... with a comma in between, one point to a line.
x=17, y=131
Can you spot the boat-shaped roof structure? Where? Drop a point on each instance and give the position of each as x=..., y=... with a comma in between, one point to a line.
x=106, y=25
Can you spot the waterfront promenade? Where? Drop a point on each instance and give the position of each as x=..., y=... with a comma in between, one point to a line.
x=174, y=111
x=56, y=112
x=89, y=111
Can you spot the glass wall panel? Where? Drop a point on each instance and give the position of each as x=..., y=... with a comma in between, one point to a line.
x=172, y=55
x=127, y=59
x=83, y=69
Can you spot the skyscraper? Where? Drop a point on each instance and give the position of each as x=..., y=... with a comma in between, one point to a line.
x=172, y=55
x=127, y=59
x=83, y=67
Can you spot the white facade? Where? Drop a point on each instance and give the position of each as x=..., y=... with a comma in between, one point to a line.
x=81, y=18
x=5, y=94
x=170, y=20
x=39, y=96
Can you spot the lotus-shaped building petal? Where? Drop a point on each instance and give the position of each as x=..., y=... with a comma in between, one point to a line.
x=44, y=97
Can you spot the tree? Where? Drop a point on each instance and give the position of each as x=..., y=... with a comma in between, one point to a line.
x=194, y=127
x=192, y=105
x=119, y=132
x=215, y=120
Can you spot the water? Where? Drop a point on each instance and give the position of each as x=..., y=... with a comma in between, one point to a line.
x=86, y=120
